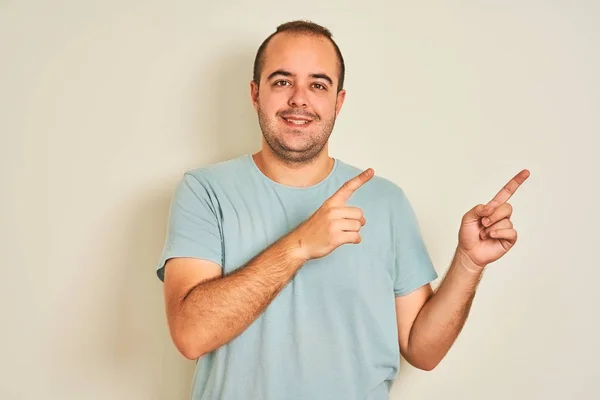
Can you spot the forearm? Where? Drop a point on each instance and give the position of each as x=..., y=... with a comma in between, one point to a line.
x=216, y=311
x=443, y=316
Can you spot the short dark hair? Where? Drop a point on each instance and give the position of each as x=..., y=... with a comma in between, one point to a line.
x=301, y=27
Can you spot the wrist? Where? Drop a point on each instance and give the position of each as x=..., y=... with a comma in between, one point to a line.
x=295, y=249
x=466, y=263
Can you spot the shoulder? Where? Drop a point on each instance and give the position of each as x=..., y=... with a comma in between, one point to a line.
x=218, y=171
x=379, y=187
x=209, y=182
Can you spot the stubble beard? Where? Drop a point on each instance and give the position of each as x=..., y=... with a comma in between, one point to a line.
x=305, y=154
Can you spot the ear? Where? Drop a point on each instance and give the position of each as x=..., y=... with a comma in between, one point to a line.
x=341, y=96
x=254, y=94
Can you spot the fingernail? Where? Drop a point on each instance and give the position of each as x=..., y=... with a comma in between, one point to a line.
x=482, y=234
x=486, y=221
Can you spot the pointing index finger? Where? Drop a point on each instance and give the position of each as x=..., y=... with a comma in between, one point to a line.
x=510, y=188
x=348, y=188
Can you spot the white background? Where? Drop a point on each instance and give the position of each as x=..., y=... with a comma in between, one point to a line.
x=103, y=106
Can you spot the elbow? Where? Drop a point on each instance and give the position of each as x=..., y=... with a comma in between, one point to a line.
x=422, y=361
x=190, y=352
x=426, y=366
x=423, y=365
x=189, y=346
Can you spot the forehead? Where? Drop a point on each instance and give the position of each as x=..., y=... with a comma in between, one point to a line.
x=300, y=54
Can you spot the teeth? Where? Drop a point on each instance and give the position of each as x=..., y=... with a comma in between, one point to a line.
x=297, y=122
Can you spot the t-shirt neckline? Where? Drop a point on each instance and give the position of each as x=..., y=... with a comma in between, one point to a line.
x=250, y=159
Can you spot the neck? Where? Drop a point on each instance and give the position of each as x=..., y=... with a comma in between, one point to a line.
x=294, y=174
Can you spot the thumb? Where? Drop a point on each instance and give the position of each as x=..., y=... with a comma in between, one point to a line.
x=478, y=212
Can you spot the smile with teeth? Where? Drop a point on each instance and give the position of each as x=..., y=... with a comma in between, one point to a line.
x=297, y=121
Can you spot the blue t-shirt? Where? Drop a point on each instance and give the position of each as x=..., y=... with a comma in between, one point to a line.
x=331, y=333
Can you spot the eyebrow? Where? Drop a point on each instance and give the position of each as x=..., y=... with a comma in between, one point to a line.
x=287, y=73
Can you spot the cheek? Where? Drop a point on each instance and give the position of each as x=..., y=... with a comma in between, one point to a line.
x=324, y=107
x=271, y=105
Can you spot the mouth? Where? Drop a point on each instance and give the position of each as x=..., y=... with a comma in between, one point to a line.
x=297, y=122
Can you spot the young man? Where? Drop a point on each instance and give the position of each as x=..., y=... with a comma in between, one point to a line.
x=289, y=274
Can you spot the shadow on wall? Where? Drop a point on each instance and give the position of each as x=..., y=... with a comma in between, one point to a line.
x=143, y=338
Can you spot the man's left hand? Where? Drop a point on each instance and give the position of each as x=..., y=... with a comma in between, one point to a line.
x=486, y=232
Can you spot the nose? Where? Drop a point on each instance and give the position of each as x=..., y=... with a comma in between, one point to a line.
x=298, y=98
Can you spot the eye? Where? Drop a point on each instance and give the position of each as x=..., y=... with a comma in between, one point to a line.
x=281, y=83
x=320, y=86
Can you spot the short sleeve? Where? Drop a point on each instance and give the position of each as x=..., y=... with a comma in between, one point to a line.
x=193, y=226
x=413, y=265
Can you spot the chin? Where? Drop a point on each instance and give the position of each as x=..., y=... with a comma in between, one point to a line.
x=296, y=141
x=298, y=152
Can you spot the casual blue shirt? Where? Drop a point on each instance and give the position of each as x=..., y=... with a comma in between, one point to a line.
x=331, y=333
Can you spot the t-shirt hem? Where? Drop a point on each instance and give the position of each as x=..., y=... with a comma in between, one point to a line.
x=160, y=269
x=428, y=279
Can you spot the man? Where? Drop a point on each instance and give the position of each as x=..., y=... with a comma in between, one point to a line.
x=289, y=274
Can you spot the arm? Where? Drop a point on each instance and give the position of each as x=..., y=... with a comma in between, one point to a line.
x=429, y=324
x=206, y=311
x=217, y=309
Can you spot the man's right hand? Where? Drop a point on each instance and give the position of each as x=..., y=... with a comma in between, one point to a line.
x=333, y=224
